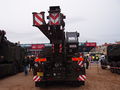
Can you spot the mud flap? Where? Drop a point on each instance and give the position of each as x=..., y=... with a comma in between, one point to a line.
x=40, y=84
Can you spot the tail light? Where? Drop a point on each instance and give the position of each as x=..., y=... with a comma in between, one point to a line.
x=41, y=59
x=77, y=59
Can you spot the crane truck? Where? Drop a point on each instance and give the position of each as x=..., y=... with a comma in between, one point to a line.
x=62, y=62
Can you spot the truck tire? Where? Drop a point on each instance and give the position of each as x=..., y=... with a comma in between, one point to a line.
x=82, y=82
x=118, y=65
x=15, y=69
x=112, y=65
x=40, y=84
x=77, y=83
x=115, y=65
x=118, y=72
x=103, y=65
x=37, y=84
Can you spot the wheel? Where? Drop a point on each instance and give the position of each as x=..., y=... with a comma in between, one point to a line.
x=15, y=68
x=118, y=65
x=40, y=84
x=111, y=69
x=78, y=83
x=113, y=64
x=82, y=82
x=37, y=84
x=118, y=71
x=103, y=66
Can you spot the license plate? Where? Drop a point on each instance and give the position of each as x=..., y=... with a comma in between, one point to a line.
x=39, y=73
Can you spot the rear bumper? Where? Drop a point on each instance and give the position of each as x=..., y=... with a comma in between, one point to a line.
x=60, y=79
x=70, y=72
x=49, y=83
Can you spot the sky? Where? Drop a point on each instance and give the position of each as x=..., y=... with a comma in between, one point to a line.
x=95, y=20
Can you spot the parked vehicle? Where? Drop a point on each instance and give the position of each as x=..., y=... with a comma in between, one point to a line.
x=61, y=62
x=11, y=56
x=112, y=58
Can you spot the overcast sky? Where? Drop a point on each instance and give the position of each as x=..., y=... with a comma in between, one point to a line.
x=95, y=20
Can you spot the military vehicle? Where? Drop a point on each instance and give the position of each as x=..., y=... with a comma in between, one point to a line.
x=112, y=58
x=11, y=56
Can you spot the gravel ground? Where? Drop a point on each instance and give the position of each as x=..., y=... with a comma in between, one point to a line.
x=97, y=79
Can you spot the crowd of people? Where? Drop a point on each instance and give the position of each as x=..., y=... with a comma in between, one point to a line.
x=92, y=59
x=28, y=64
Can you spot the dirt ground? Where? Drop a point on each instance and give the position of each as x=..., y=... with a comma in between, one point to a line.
x=97, y=79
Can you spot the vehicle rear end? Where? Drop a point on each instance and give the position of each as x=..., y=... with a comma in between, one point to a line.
x=61, y=62
x=60, y=69
x=67, y=67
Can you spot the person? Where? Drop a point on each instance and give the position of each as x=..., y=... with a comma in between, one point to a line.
x=26, y=65
x=96, y=58
x=31, y=60
x=93, y=57
x=87, y=62
x=102, y=58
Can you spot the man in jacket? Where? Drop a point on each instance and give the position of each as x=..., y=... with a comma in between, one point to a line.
x=26, y=65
